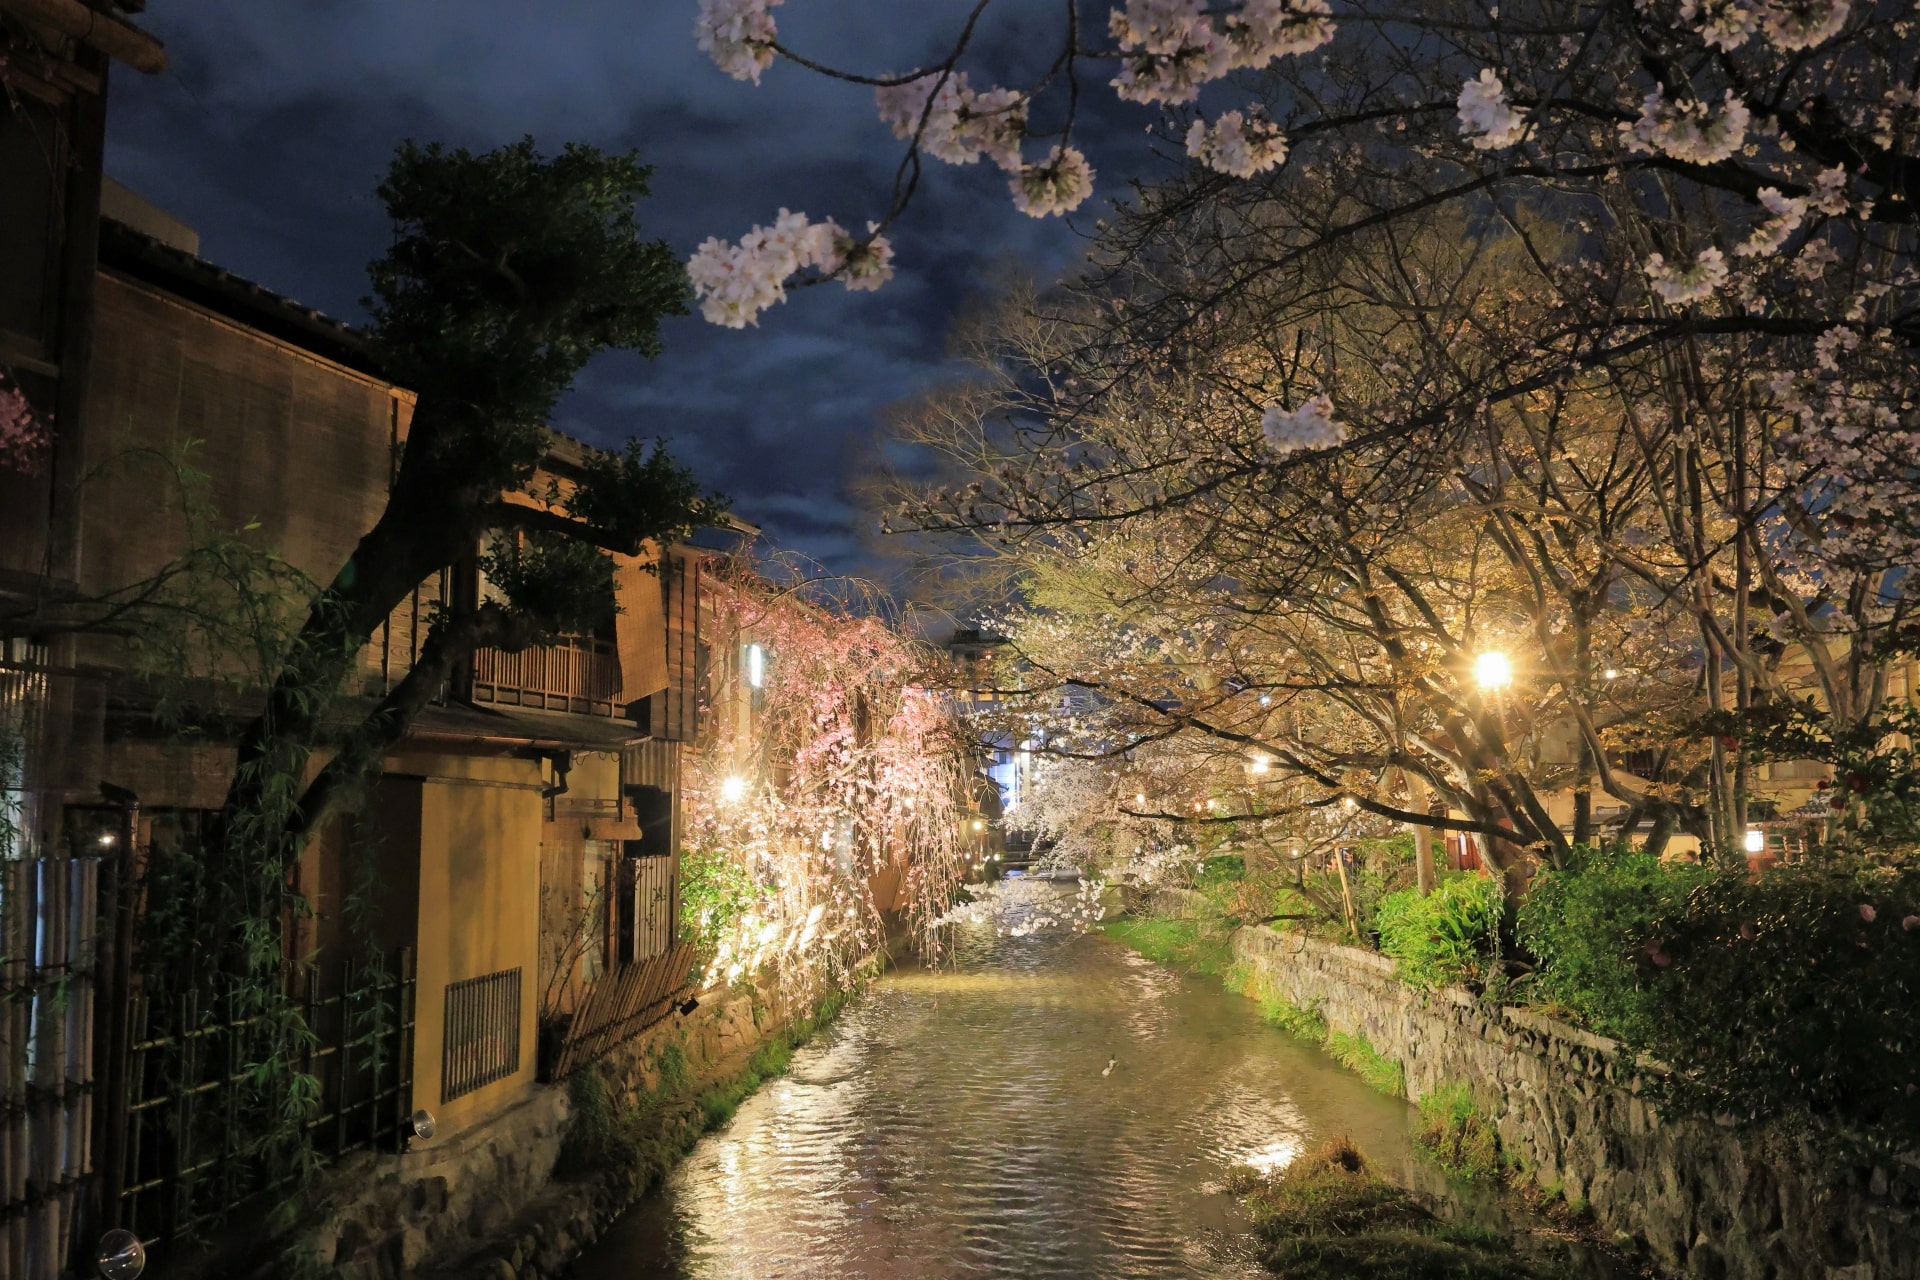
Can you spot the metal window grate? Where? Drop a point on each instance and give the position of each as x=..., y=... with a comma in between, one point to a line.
x=482, y=1033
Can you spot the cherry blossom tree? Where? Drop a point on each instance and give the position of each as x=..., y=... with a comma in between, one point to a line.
x=843, y=776
x=1705, y=213
x=24, y=437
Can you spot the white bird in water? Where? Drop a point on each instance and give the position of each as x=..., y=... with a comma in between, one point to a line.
x=1111, y=1064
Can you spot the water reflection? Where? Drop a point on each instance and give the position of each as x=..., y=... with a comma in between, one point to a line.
x=957, y=1122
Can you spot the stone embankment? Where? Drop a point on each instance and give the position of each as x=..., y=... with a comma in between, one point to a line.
x=499, y=1203
x=1700, y=1198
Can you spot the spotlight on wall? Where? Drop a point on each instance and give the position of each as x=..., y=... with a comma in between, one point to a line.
x=120, y=1255
x=688, y=1005
x=422, y=1125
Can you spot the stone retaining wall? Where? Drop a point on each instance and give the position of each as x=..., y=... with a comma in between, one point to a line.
x=487, y=1204
x=1701, y=1199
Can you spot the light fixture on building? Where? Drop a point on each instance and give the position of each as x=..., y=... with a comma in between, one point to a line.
x=422, y=1125
x=1492, y=670
x=734, y=789
x=1756, y=840
x=120, y=1255
x=756, y=666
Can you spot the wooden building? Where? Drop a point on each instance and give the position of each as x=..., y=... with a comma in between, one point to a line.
x=519, y=850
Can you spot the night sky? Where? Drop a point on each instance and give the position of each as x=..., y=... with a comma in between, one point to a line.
x=277, y=118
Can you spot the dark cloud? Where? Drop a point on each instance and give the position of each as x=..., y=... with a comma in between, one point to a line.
x=277, y=119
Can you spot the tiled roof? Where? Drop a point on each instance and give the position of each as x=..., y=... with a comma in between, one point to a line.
x=195, y=279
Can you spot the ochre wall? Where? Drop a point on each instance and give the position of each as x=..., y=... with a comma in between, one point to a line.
x=480, y=820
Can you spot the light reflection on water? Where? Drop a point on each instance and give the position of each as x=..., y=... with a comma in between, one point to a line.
x=956, y=1122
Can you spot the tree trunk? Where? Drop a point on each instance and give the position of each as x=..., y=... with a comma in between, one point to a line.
x=1420, y=796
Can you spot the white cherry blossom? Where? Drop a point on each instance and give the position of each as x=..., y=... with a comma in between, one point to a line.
x=1486, y=117
x=738, y=35
x=1688, y=131
x=1724, y=24
x=1267, y=29
x=1058, y=184
x=959, y=125
x=735, y=283
x=1793, y=25
x=1311, y=426
x=1684, y=286
x=1770, y=236
x=1237, y=144
x=1169, y=48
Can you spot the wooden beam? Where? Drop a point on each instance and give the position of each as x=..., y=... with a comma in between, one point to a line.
x=104, y=32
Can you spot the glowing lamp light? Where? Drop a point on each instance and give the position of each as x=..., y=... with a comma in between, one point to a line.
x=978, y=825
x=734, y=789
x=1350, y=803
x=106, y=839
x=1756, y=840
x=1266, y=699
x=1139, y=797
x=1493, y=670
x=1259, y=764
x=1610, y=674
x=120, y=1255
x=756, y=666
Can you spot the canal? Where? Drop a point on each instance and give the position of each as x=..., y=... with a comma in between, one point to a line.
x=1041, y=1106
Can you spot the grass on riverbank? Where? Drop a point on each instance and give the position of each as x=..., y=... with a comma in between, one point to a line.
x=1329, y=1217
x=1458, y=1136
x=771, y=1060
x=1178, y=944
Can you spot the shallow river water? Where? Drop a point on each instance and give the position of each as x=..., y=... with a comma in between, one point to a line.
x=963, y=1121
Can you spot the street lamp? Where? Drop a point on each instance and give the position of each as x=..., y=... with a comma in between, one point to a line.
x=1492, y=670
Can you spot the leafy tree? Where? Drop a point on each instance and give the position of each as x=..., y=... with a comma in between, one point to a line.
x=509, y=271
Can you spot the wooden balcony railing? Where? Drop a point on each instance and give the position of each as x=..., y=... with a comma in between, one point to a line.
x=580, y=676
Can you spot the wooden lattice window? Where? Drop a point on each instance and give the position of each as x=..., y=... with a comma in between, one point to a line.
x=482, y=1033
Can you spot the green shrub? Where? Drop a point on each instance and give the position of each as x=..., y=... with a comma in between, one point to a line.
x=1586, y=924
x=1357, y=1054
x=1443, y=937
x=1458, y=1136
x=1789, y=996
